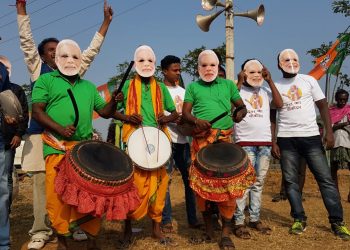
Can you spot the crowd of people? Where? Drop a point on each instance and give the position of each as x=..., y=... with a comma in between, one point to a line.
x=222, y=136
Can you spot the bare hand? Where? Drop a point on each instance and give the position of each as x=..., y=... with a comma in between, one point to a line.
x=328, y=141
x=15, y=142
x=202, y=124
x=162, y=119
x=266, y=74
x=107, y=12
x=118, y=97
x=67, y=131
x=275, y=151
x=10, y=120
x=134, y=119
x=238, y=117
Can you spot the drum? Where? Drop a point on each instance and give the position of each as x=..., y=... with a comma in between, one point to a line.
x=221, y=160
x=149, y=148
x=221, y=172
x=10, y=105
x=97, y=178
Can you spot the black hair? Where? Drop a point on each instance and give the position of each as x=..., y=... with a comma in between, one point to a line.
x=44, y=42
x=168, y=60
x=242, y=66
x=341, y=92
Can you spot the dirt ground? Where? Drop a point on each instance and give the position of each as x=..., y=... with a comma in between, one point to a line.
x=276, y=215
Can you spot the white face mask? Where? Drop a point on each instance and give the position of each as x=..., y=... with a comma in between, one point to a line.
x=289, y=61
x=208, y=67
x=145, y=61
x=68, y=59
x=253, y=70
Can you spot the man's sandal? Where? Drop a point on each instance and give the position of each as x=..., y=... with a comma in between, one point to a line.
x=260, y=227
x=204, y=238
x=241, y=231
x=226, y=243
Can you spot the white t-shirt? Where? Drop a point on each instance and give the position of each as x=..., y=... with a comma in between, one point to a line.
x=297, y=117
x=341, y=137
x=256, y=126
x=178, y=95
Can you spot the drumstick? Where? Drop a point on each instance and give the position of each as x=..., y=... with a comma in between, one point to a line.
x=218, y=117
x=75, y=106
x=125, y=76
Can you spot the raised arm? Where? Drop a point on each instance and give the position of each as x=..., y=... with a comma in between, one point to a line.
x=89, y=54
x=27, y=44
x=276, y=96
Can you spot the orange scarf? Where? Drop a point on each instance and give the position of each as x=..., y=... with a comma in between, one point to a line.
x=133, y=103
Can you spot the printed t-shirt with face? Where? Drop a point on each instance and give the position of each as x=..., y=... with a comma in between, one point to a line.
x=256, y=126
x=297, y=117
x=178, y=95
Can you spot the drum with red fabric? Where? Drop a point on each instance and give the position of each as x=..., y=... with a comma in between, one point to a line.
x=221, y=171
x=97, y=178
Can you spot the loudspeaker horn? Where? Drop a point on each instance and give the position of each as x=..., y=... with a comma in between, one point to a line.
x=210, y=4
x=204, y=22
x=258, y=14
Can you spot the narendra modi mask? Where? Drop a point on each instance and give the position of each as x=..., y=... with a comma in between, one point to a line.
x=253, y=70
x=145, y=61
x=208, y=65
x=68, y=57
x=288, y=60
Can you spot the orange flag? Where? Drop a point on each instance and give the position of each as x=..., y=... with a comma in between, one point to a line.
x=324, y=62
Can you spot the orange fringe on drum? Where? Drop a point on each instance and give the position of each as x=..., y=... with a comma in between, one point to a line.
x=90, y=197
x=221, y=189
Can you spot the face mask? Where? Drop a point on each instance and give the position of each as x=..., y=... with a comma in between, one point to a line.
x=68, y=59
x=289, y=61
x=253, y=71
x=145, y=61
x=208, y=67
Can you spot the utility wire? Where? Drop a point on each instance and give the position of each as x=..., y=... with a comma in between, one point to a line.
x=88, y=28
x=9, y=13
x=32, y=13
x=120, y=14
x=56, y=20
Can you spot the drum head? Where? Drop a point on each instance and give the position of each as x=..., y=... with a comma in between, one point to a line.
x=221, y=159
x=149, y=148
x=10, y=105
x=102, y=160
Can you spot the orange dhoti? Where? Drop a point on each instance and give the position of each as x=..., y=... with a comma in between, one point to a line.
x=152, y=187
x=61, y=214
x=223, y=191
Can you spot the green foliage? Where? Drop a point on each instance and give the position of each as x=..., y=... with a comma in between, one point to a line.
x=342, y=6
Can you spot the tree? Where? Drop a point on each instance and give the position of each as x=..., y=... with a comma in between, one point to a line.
x=343, y=7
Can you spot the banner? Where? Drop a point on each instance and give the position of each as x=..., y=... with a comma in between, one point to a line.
x=105, y=94
x=335, y=54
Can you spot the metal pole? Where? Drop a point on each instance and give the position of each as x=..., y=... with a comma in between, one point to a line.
x=229, y=42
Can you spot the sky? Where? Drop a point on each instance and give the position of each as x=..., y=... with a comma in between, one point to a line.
x=169, y=27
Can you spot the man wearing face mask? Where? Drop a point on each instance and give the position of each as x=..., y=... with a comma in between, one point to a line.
x=53, y=109
x=254, y=136
x=204, y=100
x=39, y=61
x=145, y=101
x=10, y=138
x=298, y=137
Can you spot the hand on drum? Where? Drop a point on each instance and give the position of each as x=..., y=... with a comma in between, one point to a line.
x=67, y=131
x=162, y=119
x=134, y=119
x=10, y=120
x=238, y=117
x=202, y=124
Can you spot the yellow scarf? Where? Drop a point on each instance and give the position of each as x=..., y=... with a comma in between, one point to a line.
x=133, y=103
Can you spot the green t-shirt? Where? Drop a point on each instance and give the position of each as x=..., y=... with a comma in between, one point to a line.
x=51, y=88
x=210, y=100
x=147, y=112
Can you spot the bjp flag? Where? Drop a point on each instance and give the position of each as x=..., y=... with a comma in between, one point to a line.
x=335, y=54
x=105, y=94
